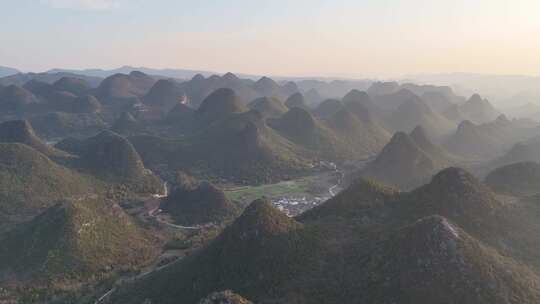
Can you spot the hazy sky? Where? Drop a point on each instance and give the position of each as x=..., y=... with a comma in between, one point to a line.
x=375, y=38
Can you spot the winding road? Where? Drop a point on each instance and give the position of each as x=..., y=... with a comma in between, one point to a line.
x=103, y=297
x=153, y=213
x=165, y=191
x=332, y=190
x=161, y=221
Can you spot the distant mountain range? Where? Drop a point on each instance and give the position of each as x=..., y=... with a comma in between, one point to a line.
x=132, y=155
x=503, y=90
x=172, y=73
x=519, y=179
x=21, y=79
x=487, y=140
x=292, y=130
x=6, y=71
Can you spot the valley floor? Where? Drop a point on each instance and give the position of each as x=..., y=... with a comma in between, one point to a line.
x=294, y=196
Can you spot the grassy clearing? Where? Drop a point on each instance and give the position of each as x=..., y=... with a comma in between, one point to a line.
x=285, y=188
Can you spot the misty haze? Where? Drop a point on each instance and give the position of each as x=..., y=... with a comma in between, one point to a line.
x=273, y=152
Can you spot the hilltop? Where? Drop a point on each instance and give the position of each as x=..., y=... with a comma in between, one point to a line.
x=362, y=105
x=488, y=140
x=302, y=128
x=74, y=241
x=259, y=241
x=68, y=94
x=194, y=203
x=21, y=78
x=264, y=155
x=31, y=182
x=213, y=151
x=362, y=134
x=218, y=105
x=112, y=158
x=407, y=160
x=364, y=246
x=328, y=108
x=392, y=94
x=413, y=111
x=456, y=194
x=341, y=136
x=7, y=71
x=380, y=88
x=121, y=86
x=272, y=147
x=199, y=87
x=392, y=100
x=470, y=141
x=422, y=139
x=296, y=100
x=165, y=94
x=361, y=195
x=478, y=110
x=439, y=261
x=114, y=153
x=266, y=87
x=74, y=85
x=109, y=153
x=408, y=227
x=313, y=97
x=268, y=106
x=326, y=88
x=299, y=126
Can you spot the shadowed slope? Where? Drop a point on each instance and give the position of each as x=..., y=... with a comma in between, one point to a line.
x=165, y=95
x=268, y=106
x=404, y=164
x=31, y=182
x=218, y=105
x=296, y=100
x=368, y=245
x=195, y=203
x=76, y=86
x=14, y=98
x=413, y=112
x=20, y=131
x=262, y=242
x=519, y=179
x=75, y=240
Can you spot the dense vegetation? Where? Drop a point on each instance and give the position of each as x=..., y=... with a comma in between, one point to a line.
x=84, y=240
x=30, y=182
x=194, y=203
x=520, y=179
x=371, y=244
x=92, y=216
